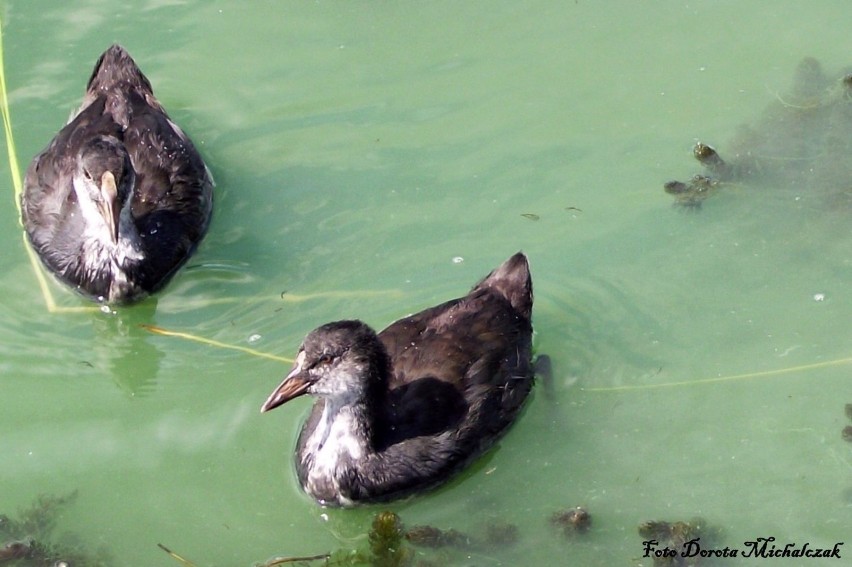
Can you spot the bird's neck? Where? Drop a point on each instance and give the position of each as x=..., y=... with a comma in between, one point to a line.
x=334, y=450
x=112, y=261
x=102, y=250
x=344, y=429
x=340, y=454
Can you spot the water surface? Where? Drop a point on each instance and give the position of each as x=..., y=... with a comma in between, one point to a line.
x=360, y=149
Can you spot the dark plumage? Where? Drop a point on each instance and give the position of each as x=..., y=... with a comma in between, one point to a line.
x=403, y=410
x=120, y=198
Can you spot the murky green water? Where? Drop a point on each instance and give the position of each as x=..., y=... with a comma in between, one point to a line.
x=358, y=149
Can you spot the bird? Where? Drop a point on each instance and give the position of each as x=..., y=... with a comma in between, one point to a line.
x=120, y=198
x=401, y=411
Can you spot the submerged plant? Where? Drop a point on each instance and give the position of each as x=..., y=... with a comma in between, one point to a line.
x=387, y=548
x=386, y=541
x=430, y=536
x=27, y=540
x=575, y=520
x=674, y=535
x=37, y=521
x=495, y=534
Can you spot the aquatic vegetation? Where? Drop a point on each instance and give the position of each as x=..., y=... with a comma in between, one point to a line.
x=37, y=521
x=390, y=545
x=494, y=534
x=801, y=143
x=573, y=521
x=386, y=541
x=430, y=536
x=501, y=533
x=674, y=536
x=692, y=193
x=387, y=548
x=27, y=540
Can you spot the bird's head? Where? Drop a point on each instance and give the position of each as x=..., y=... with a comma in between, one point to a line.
x=340, y=361
x=103, y=181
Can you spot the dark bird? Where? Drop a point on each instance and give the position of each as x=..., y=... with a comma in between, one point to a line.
x=403, y=410
x=120, y=198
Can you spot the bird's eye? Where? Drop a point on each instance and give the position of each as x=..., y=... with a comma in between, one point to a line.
x=323, y=360
x=87, y=175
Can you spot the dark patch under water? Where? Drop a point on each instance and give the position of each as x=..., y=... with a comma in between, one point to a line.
x=801, y=143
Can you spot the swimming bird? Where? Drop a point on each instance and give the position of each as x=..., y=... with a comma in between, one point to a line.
x=120, y=198
x=400, y=411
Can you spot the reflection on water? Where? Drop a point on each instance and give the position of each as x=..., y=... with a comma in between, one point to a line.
x=358, y=151
x=123, y=351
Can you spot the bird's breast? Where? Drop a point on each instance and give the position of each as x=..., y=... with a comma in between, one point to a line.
x=331, y=451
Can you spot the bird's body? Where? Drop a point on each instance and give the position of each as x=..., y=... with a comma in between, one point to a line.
x=120, y=198
x=403, y=410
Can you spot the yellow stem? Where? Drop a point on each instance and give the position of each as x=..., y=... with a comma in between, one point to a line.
x=748, y=375
x=339, y=294
x=7, y=127
x=181, y=560
x=195, y=338
x=14, y=169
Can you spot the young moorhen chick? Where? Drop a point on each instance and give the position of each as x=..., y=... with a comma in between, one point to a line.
x=120, y=198
x=403, y=410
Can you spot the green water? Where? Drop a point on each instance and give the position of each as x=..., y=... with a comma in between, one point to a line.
x=358, y=149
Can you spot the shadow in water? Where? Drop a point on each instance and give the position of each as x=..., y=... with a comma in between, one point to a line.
x=124, y=350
